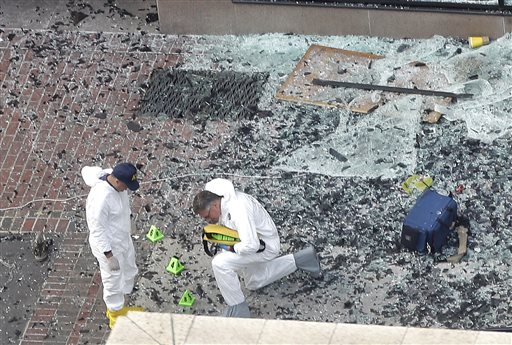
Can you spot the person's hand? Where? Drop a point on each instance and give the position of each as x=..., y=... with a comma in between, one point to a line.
x=226, y=247
x=113, y=264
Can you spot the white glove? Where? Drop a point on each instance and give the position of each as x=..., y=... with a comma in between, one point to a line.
x=113, y=264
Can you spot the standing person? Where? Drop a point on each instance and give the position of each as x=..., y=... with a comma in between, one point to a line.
x=259, y=264
x=109, y=221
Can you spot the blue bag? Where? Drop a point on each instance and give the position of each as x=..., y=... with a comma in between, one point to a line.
x=427, y=225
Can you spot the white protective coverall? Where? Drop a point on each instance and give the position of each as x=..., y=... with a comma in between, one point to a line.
x=108, y=219
x=245, y=214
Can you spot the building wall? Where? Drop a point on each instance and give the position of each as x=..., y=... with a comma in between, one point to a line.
x=219, y=17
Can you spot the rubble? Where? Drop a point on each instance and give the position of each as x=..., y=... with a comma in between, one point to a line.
x=328, y=177
x=333, y=179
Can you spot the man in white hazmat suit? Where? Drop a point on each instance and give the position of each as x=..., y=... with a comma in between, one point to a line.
x=219, y=203
x=109, y=221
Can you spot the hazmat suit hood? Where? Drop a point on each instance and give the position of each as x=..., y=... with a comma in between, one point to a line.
x=222, y=187
x=92, y=175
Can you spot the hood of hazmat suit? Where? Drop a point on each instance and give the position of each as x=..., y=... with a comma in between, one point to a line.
x=223, y=188
x=107, y=213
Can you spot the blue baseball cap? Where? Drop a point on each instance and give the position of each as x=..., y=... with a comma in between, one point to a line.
x=126, y=173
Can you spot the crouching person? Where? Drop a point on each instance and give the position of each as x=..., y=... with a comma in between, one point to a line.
x=256, y=256
x=108, y=219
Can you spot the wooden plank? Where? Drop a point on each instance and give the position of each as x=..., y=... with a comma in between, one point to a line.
x=298, y=85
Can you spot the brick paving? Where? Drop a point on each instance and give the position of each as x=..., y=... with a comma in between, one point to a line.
x=69, y=99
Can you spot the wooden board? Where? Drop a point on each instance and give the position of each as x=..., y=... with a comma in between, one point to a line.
x=321, y=62
x=324, y=62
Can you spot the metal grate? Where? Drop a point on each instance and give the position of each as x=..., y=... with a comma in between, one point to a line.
x=202, y=94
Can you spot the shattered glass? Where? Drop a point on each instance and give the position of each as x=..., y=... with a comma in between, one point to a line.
x=333, y=178
x=202, y=94
x=382, y=143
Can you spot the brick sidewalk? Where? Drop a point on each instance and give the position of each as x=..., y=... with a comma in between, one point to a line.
x=69, y=100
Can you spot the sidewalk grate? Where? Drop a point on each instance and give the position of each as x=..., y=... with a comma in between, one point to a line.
x=202, y=94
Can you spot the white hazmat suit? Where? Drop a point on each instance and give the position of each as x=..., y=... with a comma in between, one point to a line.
x=245, y=214
x=108, y=219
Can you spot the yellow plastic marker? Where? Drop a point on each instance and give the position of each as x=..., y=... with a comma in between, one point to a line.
x=478, y=41
x=417, y=181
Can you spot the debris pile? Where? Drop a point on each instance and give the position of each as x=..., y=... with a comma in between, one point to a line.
x=333, y=178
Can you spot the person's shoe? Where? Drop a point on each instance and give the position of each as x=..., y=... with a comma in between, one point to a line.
x=114, y=314
x=239, y=310
x=307, y=260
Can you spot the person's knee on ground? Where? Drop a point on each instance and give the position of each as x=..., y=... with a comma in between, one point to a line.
x=307, y=260
x=240, y=310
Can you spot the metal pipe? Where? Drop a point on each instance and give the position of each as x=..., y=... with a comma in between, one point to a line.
x=371, y=87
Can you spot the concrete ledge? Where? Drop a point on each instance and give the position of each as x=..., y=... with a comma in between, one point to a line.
x=157, y=328
x=221, y=17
